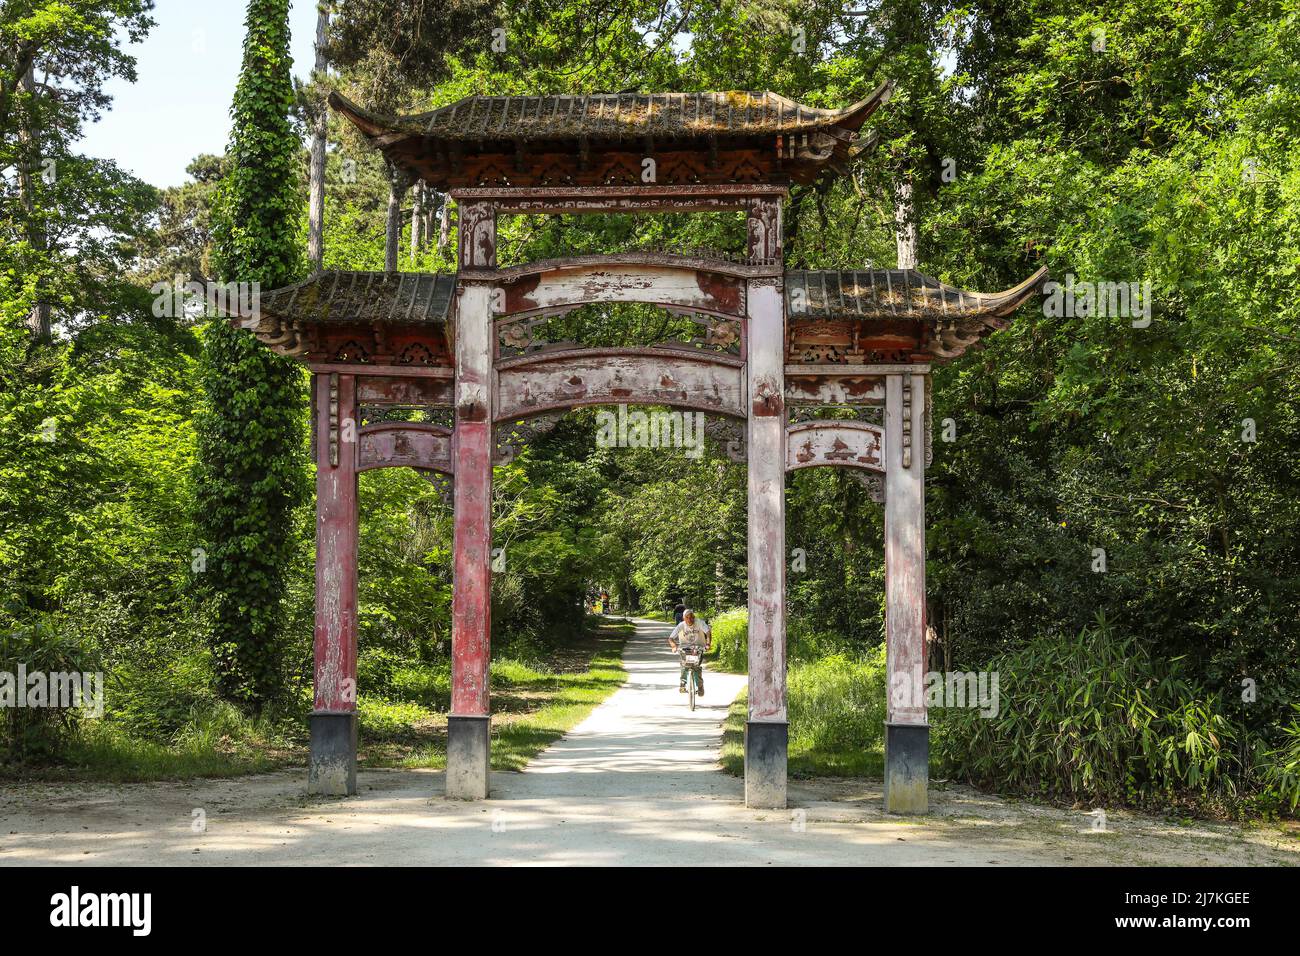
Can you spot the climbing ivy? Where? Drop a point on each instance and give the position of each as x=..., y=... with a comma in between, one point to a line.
x=251, y=473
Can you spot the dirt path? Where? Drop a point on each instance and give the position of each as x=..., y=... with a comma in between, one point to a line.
x=636, y=783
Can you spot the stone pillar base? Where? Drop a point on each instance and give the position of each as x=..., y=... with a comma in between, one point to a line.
x=332, y=770
x=907, y=768
x=766, y=743
x=468, y=747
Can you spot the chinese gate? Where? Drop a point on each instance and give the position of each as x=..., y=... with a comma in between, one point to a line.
x=470, y=348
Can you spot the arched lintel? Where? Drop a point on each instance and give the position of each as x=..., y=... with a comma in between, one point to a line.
x=680, y=283
x=404, y=445
x=575, y=404
x=705, y=381
x=828, y=443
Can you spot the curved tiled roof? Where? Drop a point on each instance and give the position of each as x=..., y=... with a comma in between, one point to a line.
x=613, y=116
x=896, y=294
x=562, y=140
x=280, y=318
x=953, y=320
x=950, y=319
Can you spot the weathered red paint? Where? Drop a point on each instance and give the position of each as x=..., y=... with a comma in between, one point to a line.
x=766, y=492
x=335, y=641
x=708, y=381
x=726, y=292
x=573, y=200
x=767, y=400
x=846, y=444
x=472, y=449
x=405, y=444
x=663, y=280
x=404, y=390
x=360, y=346
x=835, y=389
x=905, y=552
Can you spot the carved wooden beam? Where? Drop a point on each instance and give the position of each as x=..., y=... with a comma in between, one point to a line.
x=405, y=445
x=553, y=287
x=844, y=444
x=708, y=381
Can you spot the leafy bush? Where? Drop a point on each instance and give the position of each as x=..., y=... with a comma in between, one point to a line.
x=1094, y=717
x=377, y=668
x=40, y=647
x=156, y=702
x=425, y=684
x=731, y=639
x=1280, y=771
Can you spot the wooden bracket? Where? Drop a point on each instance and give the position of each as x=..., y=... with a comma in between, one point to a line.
x=334, y=419
x=907, y=420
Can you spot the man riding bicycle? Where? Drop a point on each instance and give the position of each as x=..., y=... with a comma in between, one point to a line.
x=691, y=633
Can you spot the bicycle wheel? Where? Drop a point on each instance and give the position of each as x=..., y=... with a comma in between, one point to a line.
x=690, y=687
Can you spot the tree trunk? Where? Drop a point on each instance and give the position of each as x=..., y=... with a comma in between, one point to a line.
x=418, y=194
x=320, y=122
x=432, y=203
x=398, y=183
x=444, y=223
x=38, y=321
x=904, y=222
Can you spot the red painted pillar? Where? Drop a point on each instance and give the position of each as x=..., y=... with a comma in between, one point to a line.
x=469, y=724
x=766, y=731
x=333, y=767
x=907, y=732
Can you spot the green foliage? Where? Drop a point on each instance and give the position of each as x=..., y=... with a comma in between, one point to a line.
x=218, y=741
x=1096, y=717
x=259, y=203
x=731, y=639
x=42, y=648
x=837, y=709
x=251, y=428
x=837, y=718
x=1280, y=769
x=1166, y=154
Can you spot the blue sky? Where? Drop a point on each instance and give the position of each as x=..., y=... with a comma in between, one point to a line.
x=180, y=104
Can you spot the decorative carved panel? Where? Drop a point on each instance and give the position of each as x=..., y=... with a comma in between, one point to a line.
x=842, y=444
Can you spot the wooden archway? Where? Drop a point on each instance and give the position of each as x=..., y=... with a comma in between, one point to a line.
x=466, y=344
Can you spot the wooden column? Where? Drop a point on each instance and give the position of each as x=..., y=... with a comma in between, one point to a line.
x=907, y=733
x=766, y=732
x=469, y=724
x=333, y=762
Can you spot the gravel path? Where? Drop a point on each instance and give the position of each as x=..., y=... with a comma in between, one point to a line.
x=636, y=783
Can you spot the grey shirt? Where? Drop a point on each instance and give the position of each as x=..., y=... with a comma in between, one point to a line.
x=684, y=634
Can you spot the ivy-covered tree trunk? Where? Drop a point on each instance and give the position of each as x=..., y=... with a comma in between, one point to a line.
x=251, y=429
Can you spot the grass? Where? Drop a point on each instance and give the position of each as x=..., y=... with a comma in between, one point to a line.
x=103, y=753
x=532, y=707
x=403, y=723
x=837, y=715
x=217, y=742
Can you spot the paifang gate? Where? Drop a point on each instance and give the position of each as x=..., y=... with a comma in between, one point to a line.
x=469, y=348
